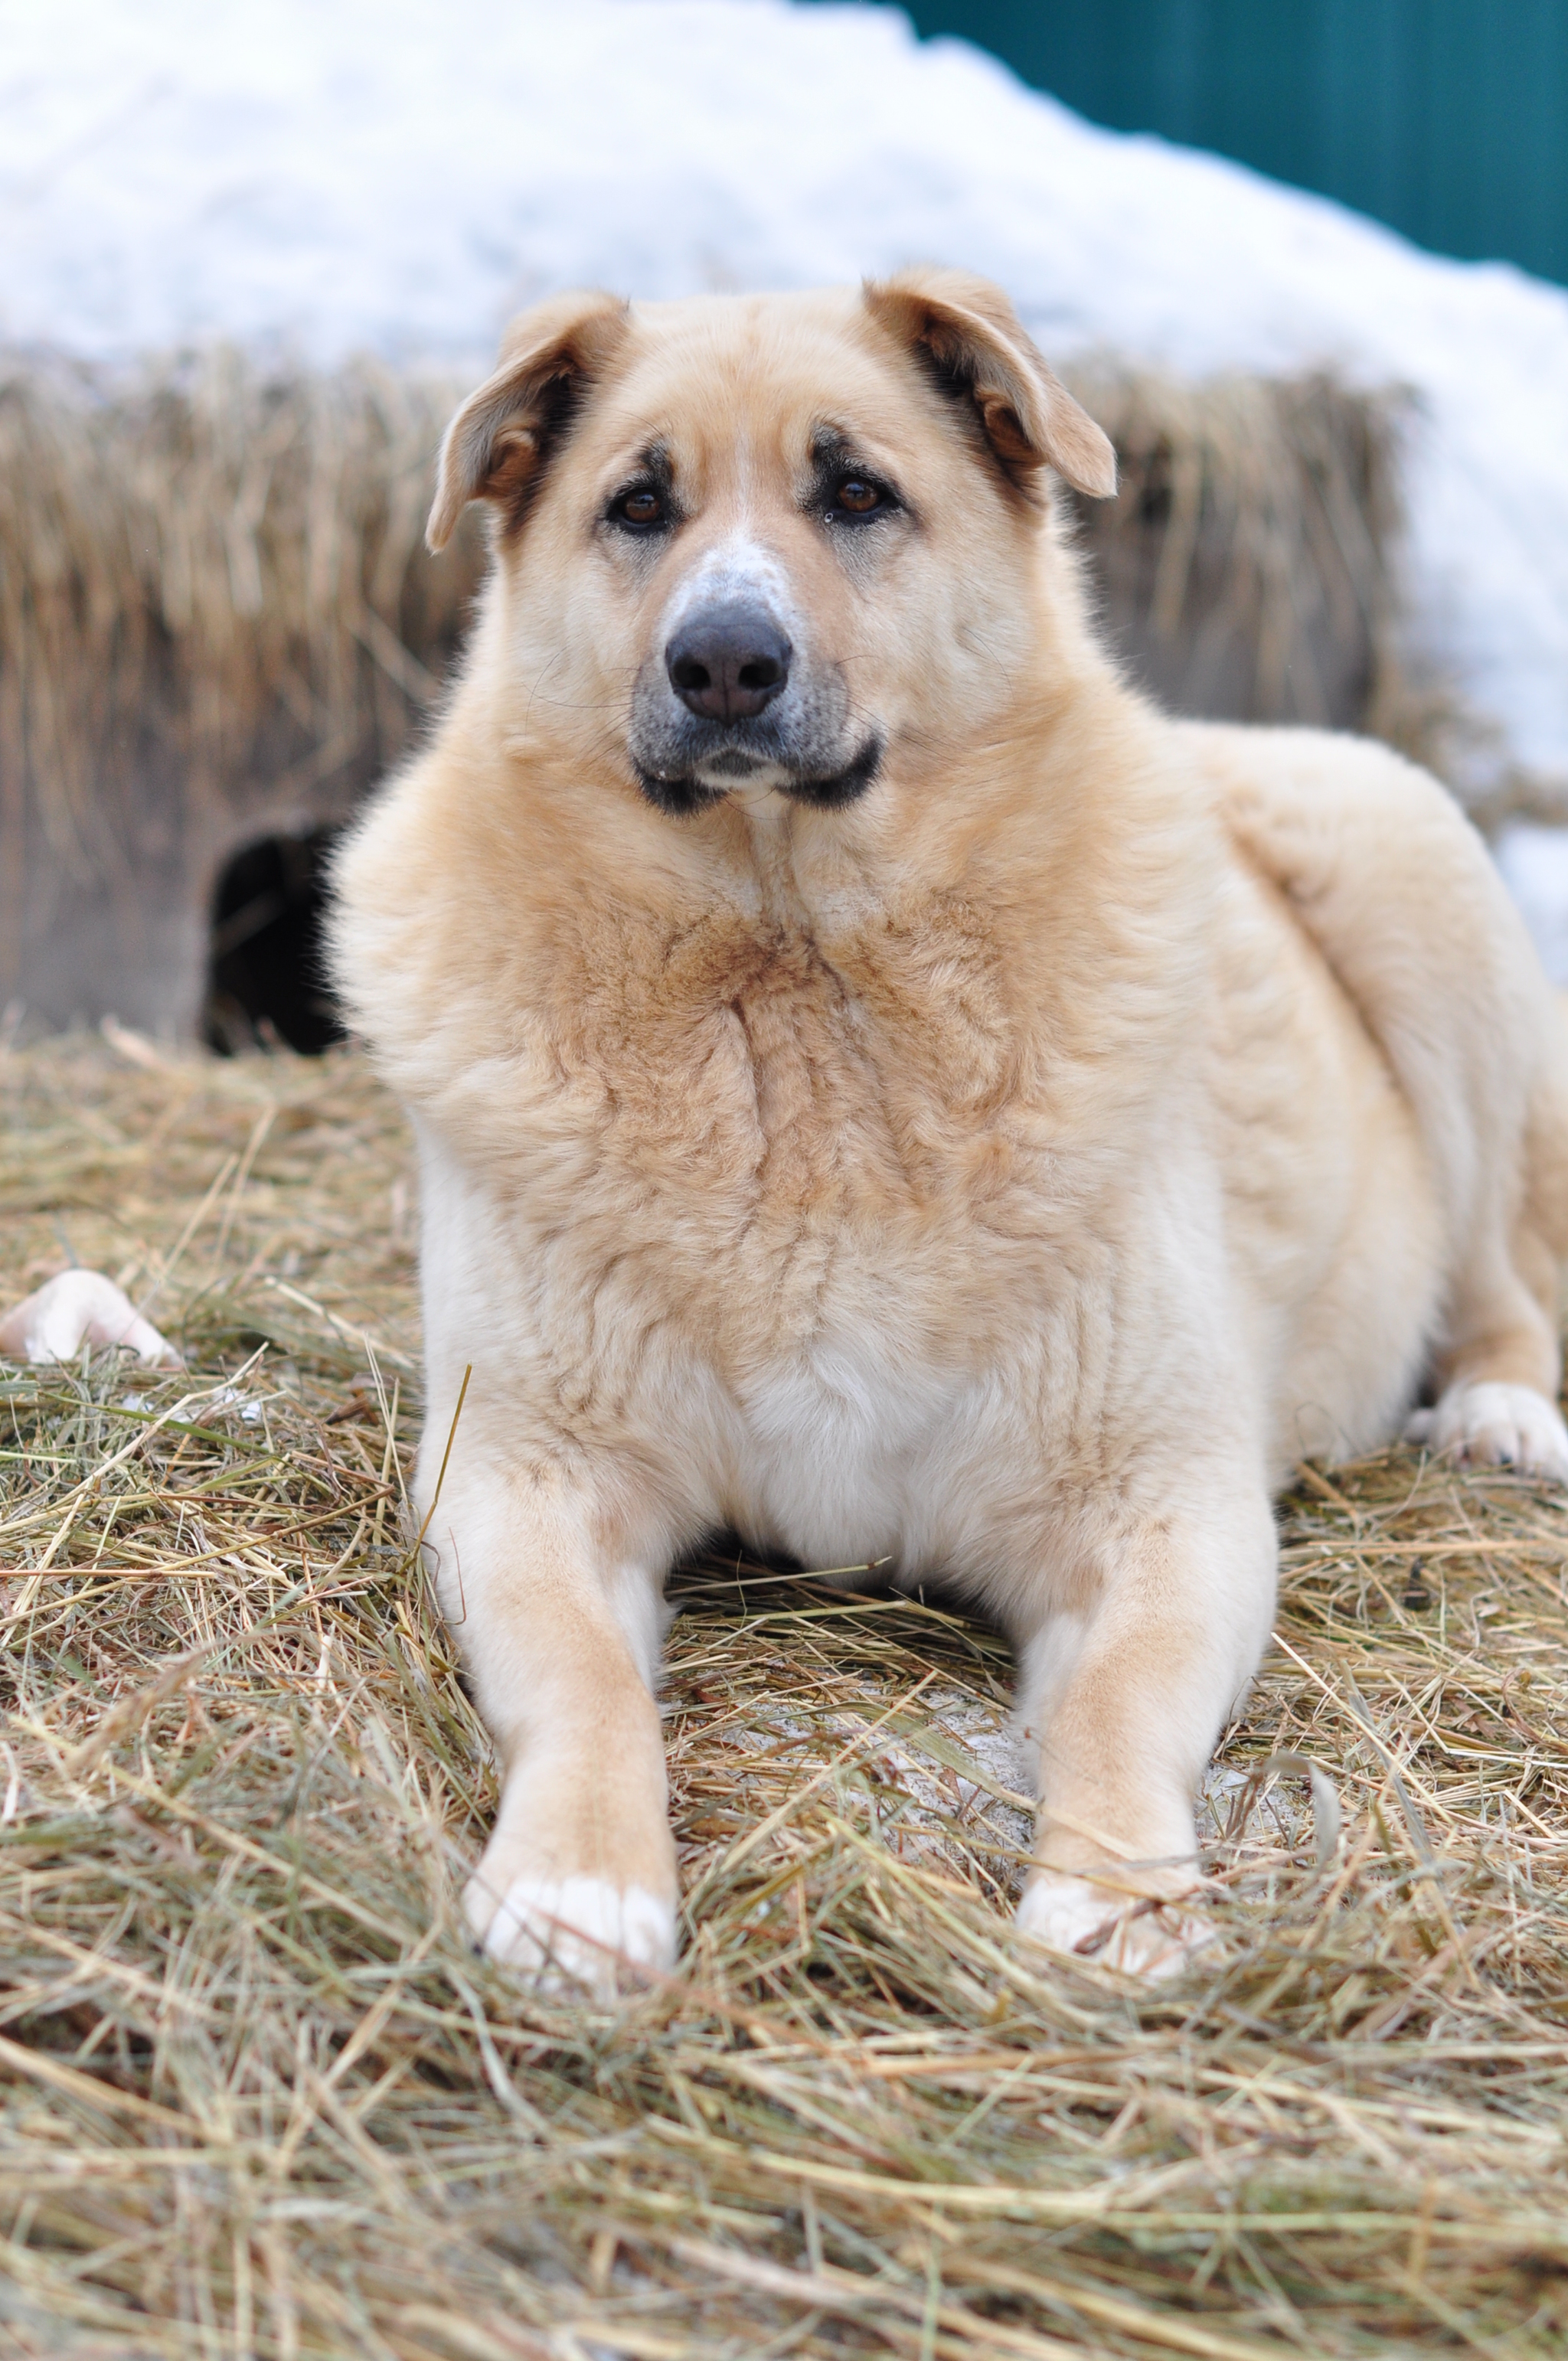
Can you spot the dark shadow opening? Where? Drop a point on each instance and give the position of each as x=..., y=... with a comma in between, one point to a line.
x=267, y=978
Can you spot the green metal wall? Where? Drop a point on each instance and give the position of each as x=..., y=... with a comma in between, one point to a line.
x=1447, y=118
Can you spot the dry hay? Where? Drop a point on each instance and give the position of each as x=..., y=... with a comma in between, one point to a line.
x=213, y=584
x=1244, y=564
x=213, y=591
x=260, y=2099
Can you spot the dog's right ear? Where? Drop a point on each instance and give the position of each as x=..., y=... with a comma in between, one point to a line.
x=498, y=442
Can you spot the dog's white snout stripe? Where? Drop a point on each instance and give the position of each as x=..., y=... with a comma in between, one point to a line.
x=736, y=571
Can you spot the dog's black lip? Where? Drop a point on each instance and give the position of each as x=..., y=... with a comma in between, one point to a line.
x=680, y=796
x=840, y=787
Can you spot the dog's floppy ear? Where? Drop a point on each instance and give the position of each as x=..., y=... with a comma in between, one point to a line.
x=496, y=444
x=968, y=335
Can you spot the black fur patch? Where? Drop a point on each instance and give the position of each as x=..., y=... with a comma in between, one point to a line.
x=555, y=410
x=679, y=797
x=954, y=380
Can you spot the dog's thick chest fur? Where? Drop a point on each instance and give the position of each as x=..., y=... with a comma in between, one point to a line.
x=789, y=1101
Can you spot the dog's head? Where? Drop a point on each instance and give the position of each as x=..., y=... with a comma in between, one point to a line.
x=755, y=546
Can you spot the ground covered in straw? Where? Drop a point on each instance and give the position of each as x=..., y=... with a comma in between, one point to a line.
x=259, y=2097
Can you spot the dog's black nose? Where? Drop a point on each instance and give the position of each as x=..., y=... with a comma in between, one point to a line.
x=727, y=663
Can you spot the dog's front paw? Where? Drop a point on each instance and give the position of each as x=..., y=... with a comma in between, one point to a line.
x=574, y=1934
x=81, y=1307
x=1494, y=1425
x=1142, y=1935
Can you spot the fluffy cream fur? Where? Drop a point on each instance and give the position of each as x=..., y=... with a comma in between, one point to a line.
x=1006, y=1174
x=81, y=1307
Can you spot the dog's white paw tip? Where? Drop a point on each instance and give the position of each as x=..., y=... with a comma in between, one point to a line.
x=81, y=1307
x=573, y=1933
x=1491, y=1425
x=1149, y=1938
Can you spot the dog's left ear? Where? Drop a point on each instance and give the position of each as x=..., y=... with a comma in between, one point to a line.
x=968, y=337
x=501, y=438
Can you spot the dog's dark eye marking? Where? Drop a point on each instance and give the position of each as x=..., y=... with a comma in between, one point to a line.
x=643, y=508
x=853, y=496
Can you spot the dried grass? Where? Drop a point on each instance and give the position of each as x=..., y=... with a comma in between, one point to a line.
x=259, y=2098
x=214, y=596
x=214, y=599
x=1244, y=564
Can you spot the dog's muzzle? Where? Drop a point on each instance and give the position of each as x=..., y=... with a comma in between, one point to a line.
x=733, y=709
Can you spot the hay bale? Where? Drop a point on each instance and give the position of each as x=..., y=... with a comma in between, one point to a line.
x=1243, y=567
x=218, y=621
x=257, y=2095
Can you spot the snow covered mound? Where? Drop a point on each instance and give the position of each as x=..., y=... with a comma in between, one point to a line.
x=403, y=174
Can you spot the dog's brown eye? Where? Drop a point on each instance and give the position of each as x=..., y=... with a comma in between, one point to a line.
x=639, y=507
x=856, y=495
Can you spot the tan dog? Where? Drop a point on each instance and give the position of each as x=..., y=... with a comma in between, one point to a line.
x=885, y=1089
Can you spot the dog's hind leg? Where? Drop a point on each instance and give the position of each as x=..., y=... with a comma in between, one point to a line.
x=1500, y=1367
x=559, y=1631
x=1389, y=880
